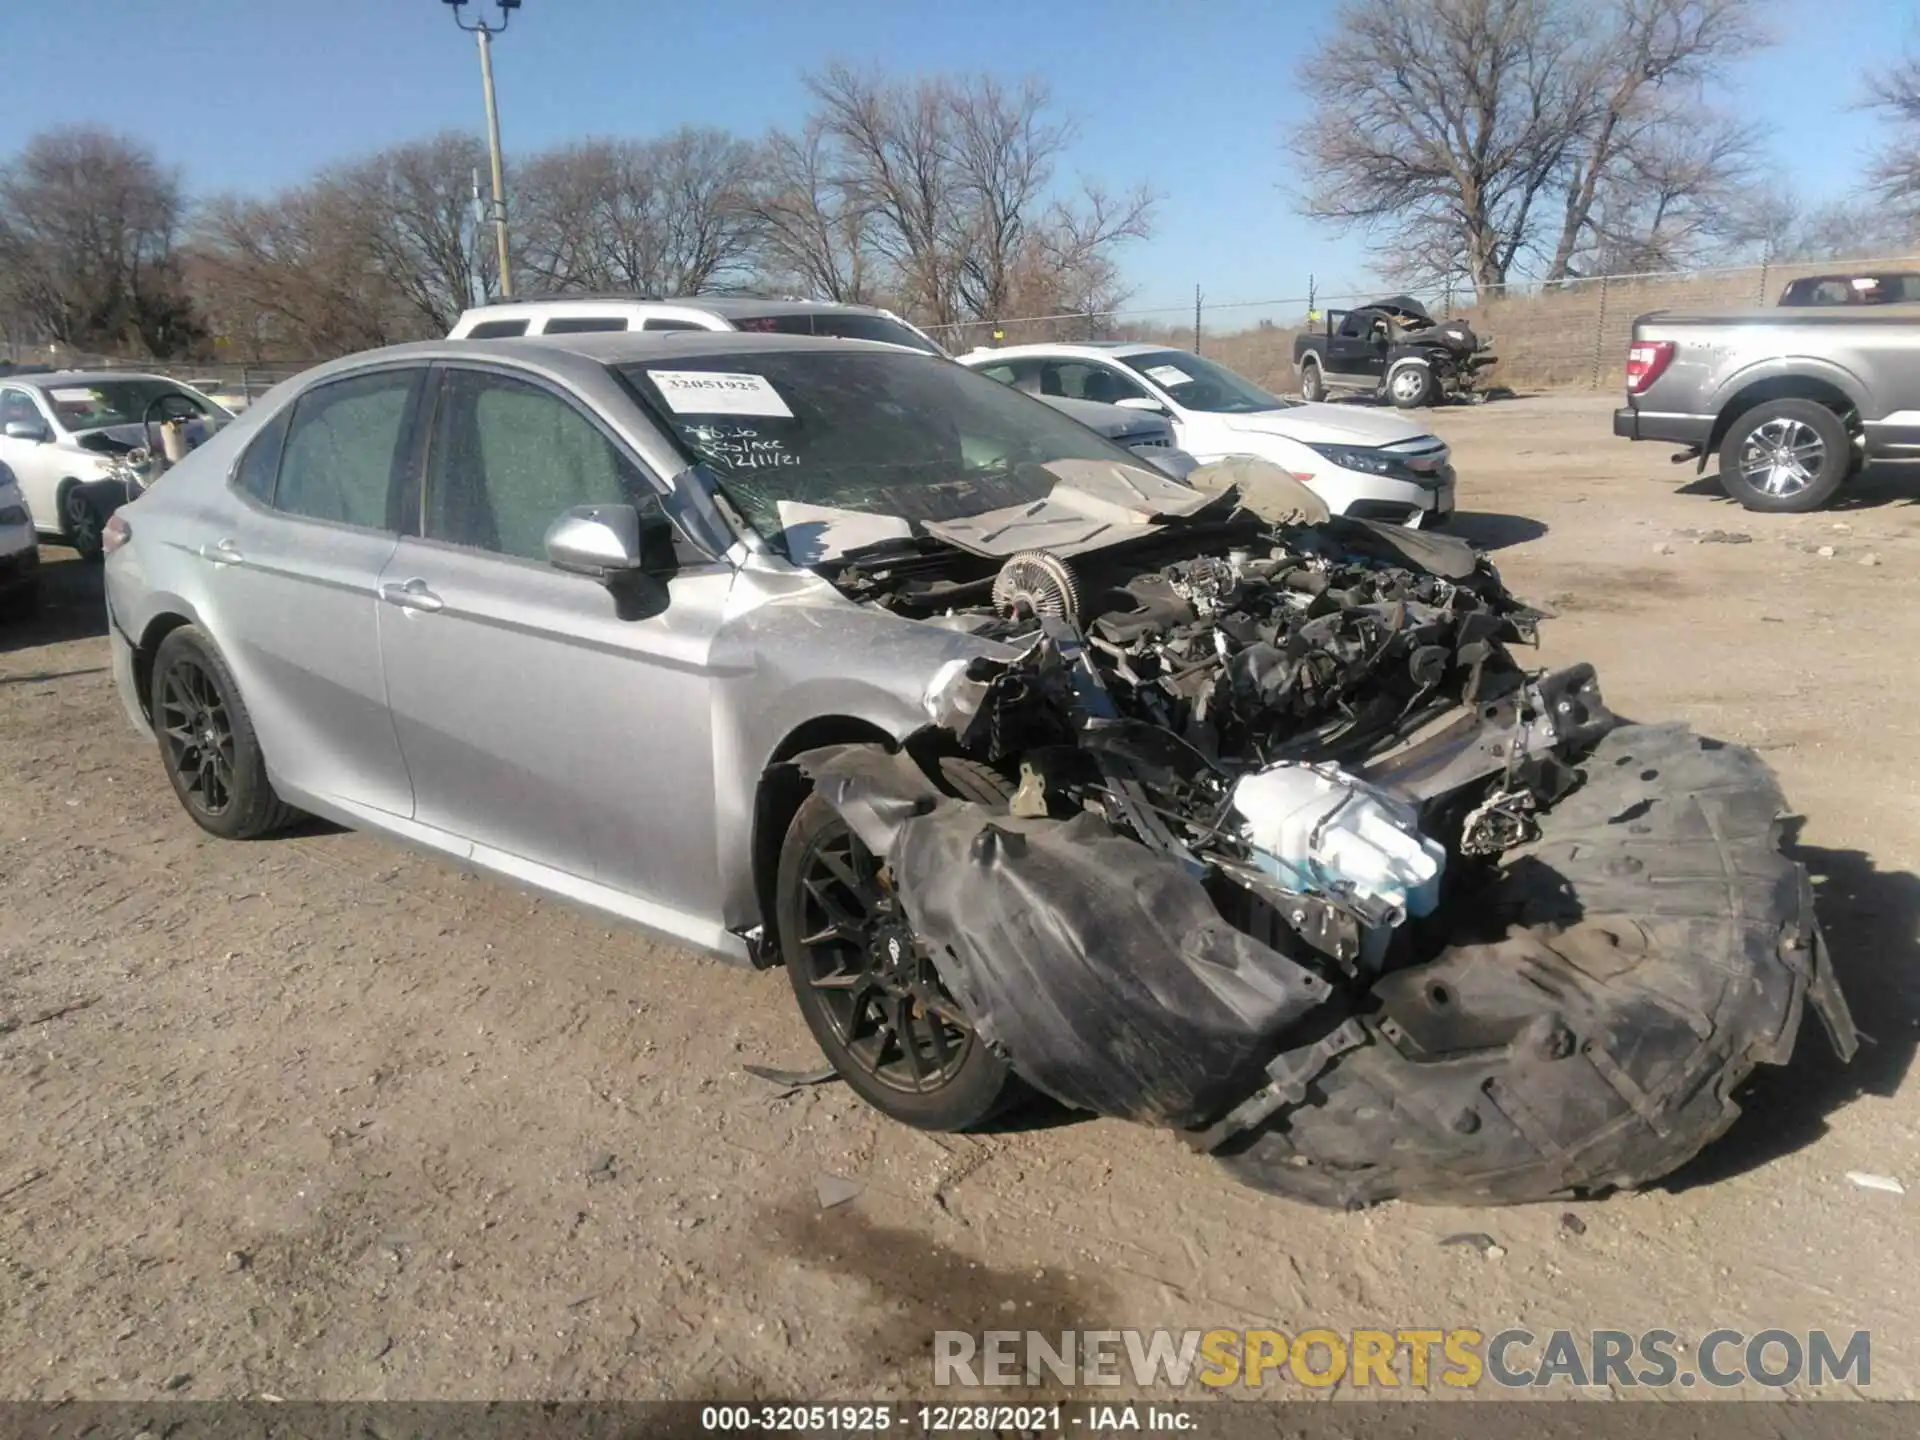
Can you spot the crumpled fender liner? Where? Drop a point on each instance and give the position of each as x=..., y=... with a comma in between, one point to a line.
x=1102, y=970
x=1654, y=945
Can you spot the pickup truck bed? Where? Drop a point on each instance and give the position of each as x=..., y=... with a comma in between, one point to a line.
x=1792, y=401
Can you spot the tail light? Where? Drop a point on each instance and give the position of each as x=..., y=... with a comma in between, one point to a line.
x=1646, y=361
x=116, y=533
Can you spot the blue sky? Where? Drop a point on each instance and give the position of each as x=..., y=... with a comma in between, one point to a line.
x=1191, y=96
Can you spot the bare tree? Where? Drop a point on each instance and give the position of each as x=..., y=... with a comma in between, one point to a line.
x=1895, y=94
x=673, y=216
x=416, y=204
x=1484, y=136
x=951, y=181
x=815, y=232
x=88, y=222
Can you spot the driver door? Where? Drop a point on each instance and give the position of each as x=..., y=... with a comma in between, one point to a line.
x=563, y=730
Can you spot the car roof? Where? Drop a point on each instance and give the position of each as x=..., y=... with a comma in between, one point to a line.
x=727, y=307
x=1069, y=347
x=59, y=379
x=579, y=353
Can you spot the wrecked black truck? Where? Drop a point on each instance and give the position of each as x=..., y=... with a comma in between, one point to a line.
x=1260, y=832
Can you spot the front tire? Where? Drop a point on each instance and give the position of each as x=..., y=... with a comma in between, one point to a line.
x=1411, y=386
x=1313, y=385
x=82, y=522
x=867, y=990
x=207, y=742
x=1786, y=457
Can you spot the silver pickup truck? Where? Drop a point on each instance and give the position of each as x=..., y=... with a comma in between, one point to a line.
x=1792, y=401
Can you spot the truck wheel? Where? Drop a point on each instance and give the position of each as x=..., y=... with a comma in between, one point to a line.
x=1631, y=966
x=1786, y=457
x=1313, y=385
x=1411, y=386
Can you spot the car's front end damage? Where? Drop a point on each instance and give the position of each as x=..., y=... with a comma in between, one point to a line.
x=1295, y=857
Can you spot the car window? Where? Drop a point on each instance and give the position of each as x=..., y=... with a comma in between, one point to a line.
x=509, y=458
x=584, y=324
x=340, y=449
x=843, y=324
x=18, y=405
x=661, y=323
x=1085, y=380
x=1197, y=384
x=1352, y=326
x=260, y=462
x=877, y=432
x=497, y=329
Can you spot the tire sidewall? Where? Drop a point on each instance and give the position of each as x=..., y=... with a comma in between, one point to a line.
x=1313, y=385
x=983, y=1084
x=72, y=497
x=1833, y=471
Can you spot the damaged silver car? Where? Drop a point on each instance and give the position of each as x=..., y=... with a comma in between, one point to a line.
x=1038, y=770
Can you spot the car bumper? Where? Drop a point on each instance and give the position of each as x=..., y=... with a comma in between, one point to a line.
x=125, y=679
x=1389, y=500
x=19, y=558
x=1674, y=427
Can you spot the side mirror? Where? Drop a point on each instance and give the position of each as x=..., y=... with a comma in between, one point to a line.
x=27, y=430
x=1142, y=402
x=608, y=542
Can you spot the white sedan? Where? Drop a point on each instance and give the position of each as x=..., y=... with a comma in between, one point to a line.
x=1366, y=463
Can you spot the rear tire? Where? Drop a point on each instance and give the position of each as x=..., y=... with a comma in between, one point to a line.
x=1313, y=385
x=207, y=741
x=1815, y=450
x=1597, y=1043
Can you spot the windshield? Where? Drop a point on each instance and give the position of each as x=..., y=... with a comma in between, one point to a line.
x=97, y=404
x=1197, y=384
x=846, y=324
x=912, y=438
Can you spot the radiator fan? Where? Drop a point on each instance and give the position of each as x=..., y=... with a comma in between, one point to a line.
x=1037, y=584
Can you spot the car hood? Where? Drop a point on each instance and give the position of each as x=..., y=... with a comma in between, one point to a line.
x=1321, y=424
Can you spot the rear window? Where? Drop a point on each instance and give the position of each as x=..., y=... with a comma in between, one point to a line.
x=584, y=324
x=497, y=329
x=658, y=323
x=847, y=325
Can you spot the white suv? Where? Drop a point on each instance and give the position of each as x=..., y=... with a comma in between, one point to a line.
x=1367, y=463
x=579, y=314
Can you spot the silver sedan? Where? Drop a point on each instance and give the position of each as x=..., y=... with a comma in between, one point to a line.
x=1179, y=802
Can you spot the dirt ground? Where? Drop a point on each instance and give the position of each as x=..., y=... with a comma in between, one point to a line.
x=316, y=1118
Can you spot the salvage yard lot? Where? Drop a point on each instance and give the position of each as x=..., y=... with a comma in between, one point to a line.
x=315, y=1117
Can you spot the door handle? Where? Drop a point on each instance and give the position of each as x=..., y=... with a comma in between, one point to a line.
x=222, y=552
x=412, y=595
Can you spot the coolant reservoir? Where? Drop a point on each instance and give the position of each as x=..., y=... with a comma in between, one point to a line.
x=1317, y=828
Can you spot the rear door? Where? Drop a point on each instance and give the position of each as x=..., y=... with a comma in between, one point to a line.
x=541, y=716
x=1352, y=350
x=292, y=586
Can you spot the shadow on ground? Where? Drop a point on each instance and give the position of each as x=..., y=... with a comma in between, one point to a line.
x=1871, y=918
x=1885, y=482
x=1488, y=530
x=73, y=606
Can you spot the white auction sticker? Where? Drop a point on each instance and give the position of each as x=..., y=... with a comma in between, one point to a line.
x=77, y=397
x=712, y=392
x=1168, y=375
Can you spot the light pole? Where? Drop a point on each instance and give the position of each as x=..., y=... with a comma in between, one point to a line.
x=484, y=33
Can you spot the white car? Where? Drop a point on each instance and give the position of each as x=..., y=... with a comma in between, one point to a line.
x=19, y=552
x=1365, y=463
x=77, y=442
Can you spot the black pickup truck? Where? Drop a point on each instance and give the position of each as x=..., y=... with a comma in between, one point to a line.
x=1392, y=349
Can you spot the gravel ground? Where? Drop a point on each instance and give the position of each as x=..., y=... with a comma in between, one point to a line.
x=317, y=1118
